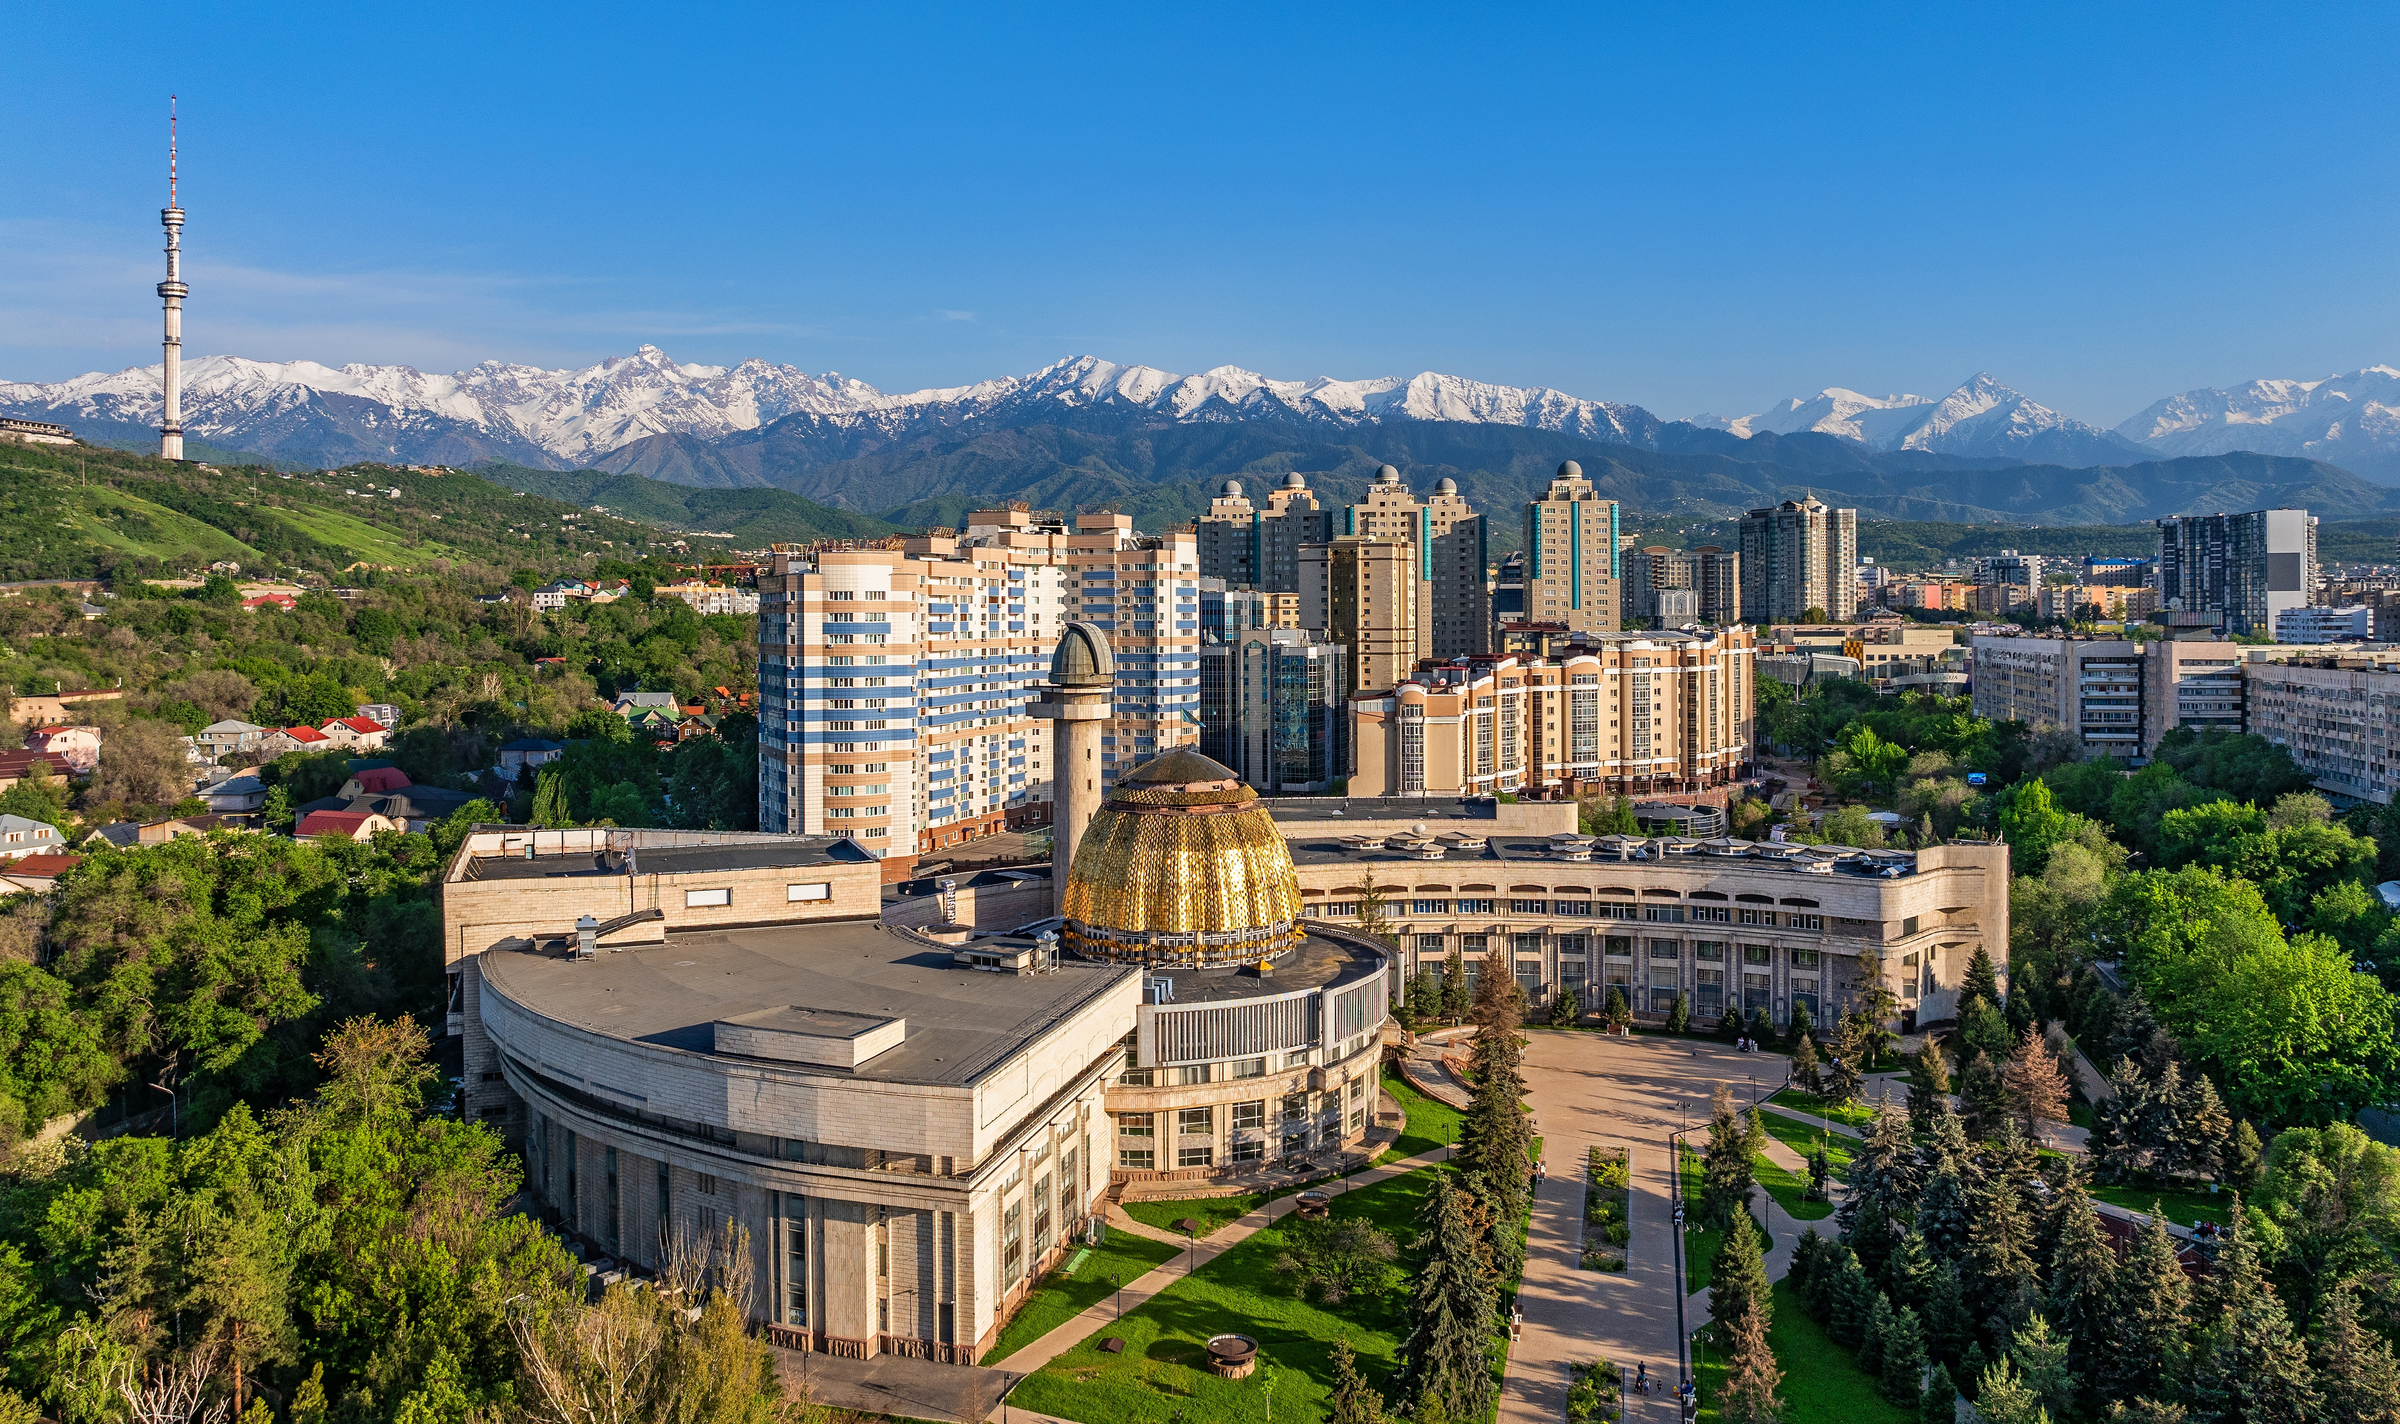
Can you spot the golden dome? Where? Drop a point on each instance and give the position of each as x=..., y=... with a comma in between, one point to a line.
x=1182, y=868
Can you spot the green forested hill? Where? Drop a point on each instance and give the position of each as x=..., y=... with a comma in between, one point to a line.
x=752, y=517
x=86, y=512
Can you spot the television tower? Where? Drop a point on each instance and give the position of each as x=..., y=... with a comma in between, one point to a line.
x=172, y=292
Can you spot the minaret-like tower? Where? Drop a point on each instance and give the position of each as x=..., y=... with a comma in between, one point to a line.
x=1080, y=696
x=172, y=292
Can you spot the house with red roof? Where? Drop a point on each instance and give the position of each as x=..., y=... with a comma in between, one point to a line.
x=75, y=749
x=376, y=781
x=309, y=739
x=283, y=601
x=363, y=732
x=36, y=872
x=349, y=825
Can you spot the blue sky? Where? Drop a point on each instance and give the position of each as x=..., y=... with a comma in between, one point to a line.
x=1687, y=209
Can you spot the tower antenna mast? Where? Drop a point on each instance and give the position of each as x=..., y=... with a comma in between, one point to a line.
x=171, y=293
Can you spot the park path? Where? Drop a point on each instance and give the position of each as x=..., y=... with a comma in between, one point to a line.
x=1032, y=1356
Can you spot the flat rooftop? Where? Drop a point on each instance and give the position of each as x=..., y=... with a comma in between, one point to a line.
x=1320, y=962
x=793, y=851
x=1330, y=849
x=960, y=1022
x=1380, y=808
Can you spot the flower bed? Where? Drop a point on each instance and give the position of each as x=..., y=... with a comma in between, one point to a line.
x=1607, y=1192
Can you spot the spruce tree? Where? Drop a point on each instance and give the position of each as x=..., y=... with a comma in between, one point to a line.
x=1803, y=1023
x=2158, y=1133
x=2243, y=1157
x=1949, y=1328
x=2083, y=1295
x=1939, y=1403
x=1354, y=1400
x=2041, y=1356
x=1985, y=1096
x=1883, y=1169
x=1618, y=1013
x=1679, y=1015
x=1762, y=1025
x=2003, y=1286
x=1942, y=1216
x=1726, y=1169
x=1871, y=1338
x=2037, y=1090
x=1737, y=1282
x=2246, y=1362
x=1982, y=981
x=1495, y=1140
x=2355, y=1368
x=2144, y=1411
x=1563, y=1009
x=2001, y=1397
x=1454, y=987
x=2153, y=1313
x=1907, y=1271
x=1850, y=1303
x=1451, y=1316
x=1943, y=1145
x=1729, y=1024
x=1820, y=1176
x=1753, y=1381
x=1903, y=1357
x=1928, y=1086
x=1804, y=1062
x=2205, y=1128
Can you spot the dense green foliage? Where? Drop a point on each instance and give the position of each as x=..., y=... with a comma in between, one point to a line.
x=752, y=517
x=90, y=513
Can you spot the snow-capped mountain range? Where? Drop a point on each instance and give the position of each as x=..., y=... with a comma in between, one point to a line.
x=569, y=418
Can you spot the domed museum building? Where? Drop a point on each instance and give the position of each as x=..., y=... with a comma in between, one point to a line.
x=907, y=1101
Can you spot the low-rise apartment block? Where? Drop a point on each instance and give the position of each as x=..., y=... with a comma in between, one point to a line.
x=1630, y=712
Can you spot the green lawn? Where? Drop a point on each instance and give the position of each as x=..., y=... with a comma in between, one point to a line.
x=1162, y=1373
x=1822, y=1383
x=1853, y=1114
x=1210, y=1212
x=1700, y=1243
x=1061, y=1297
x=1806, y=1137
x=2182, y=1208
x=1789, y=1190
x=1431, y=1123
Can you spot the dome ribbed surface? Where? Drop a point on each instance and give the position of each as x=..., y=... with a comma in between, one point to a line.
x=1181, y=867
x=1083, y=658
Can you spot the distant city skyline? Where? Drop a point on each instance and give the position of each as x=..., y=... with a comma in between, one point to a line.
x=1687, y=213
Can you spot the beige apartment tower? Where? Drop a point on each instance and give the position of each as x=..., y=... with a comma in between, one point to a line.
x=1636, y=713
x=1797, y=556
x=1364, y=593
x=1574, y=572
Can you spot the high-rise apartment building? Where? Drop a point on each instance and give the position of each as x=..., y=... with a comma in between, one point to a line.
x=1797, y=556
x=1275, y=707
x=1573, y=572
x=893, y=674
x=1712, y=575
x=1227, y=611
x=1629, y=712
x=1451, y=551
x=1366, y=593
x=2248, y=567
x=1259, y=547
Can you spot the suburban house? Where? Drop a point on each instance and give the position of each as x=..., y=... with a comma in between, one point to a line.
x=362, y=732
x=16, y=766
x=37, y=873
x=75, y=748
x=526, y=753
x=309, y=739
x=350, y=825
x=282, y=601
x=220, y=739
x=22, y=835
x=126, y=834
x=627, y=704
x=239, y=796
x=384, y=713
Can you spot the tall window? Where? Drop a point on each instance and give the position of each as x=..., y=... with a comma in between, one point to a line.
x=609, y=1163
x=1041, y=1216
x=1012, y=1244
x=795, y=1260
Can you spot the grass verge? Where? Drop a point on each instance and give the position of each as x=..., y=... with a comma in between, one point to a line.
x=1210, y=1212
x=1822, y=1383
x=1851, y=1114
x=1430, y=1124
x=1700, y=1243
x=2182, y=1208
x=1061, y=1297
x=1162, y=1372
